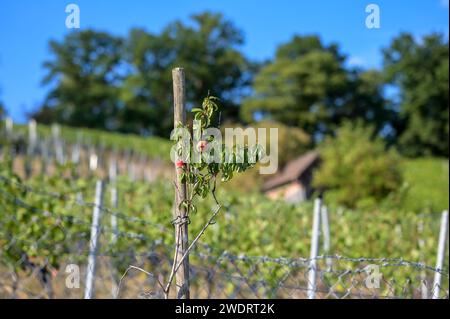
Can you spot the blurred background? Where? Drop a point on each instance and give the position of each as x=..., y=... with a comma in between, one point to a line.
x=359, y=93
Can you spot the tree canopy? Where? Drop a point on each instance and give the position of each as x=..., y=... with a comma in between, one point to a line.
x=112, y=83
x=2, y=111
x=98, y=80
x=419, y=69
x=307, y=85
x=84, y=78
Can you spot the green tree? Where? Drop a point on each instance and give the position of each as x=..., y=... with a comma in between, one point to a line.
x=84, y=75
x=2, y=111
x=356, y=168
x=307, y=85
x=420, y=70
x=207, y=47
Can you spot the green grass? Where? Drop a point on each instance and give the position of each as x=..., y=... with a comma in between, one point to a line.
x=428, y=184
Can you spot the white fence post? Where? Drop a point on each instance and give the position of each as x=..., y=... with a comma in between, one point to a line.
x=326, y=234
x=32, y=136
x=314, y=249
x=441, y=254
x=59, y=151
x=421, y=244
x=95, y=232
x=115, y=204
x=114, y=198
x=9, y=125
x=76, y=153
x=31, y=147
x=93, y=160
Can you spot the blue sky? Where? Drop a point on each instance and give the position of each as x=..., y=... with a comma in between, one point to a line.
x=26, y=27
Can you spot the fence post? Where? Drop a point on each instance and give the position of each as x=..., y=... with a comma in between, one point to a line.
x=180, y=217
x=441, y=254
x=93, y=160
x=58, y=144
x=326, y=234
x=32, y=136
x=95, y=232
x=9, y=128
x=421, y=244
x=114, y=205
x=9, y=125
x=314, y=249
x=45, y=156
x=32, y=144
x=114, y=198
x=76, y=153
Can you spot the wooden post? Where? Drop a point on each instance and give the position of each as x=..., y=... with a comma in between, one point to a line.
x=93, y=244
x=180, y=214
x=441, y=254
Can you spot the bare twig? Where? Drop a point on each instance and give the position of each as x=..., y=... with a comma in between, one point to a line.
x=191, y=246
x=166, y=290
x=119, y=286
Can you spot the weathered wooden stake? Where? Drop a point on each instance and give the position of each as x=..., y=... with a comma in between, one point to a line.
x=180, y=213
x=441, y=254
x=93, y=244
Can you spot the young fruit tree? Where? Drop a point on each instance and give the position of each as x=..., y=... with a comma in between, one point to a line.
x=198, y=163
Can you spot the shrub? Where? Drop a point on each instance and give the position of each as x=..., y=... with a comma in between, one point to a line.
x=357, y=169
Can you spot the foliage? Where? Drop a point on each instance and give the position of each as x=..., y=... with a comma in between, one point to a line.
x=2, y=111
x=356, y=167
x=123, y=84
x=102, y=81
x=37, y=233
x=420, y=70
x=83, y=72
x=292, y=141
x=427, y=184
x=207, y=47
x=215, y=158
x=246, y=226
x=308, y=86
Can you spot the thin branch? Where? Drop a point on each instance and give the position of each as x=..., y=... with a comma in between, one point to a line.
x=173, y=272
x=191, y=246
x=139, y=269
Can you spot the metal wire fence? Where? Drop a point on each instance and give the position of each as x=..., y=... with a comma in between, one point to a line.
x=53, y=261
x=225, y=276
